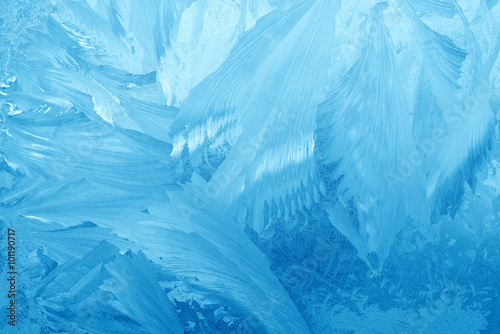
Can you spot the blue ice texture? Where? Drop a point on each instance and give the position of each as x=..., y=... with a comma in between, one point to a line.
x=250, y=166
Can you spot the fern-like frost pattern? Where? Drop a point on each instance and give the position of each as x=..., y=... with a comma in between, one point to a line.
x=250, y=166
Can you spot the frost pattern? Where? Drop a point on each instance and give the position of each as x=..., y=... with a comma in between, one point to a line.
x=251, y=166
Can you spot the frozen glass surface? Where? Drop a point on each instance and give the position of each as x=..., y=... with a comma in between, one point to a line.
x=250, y=166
